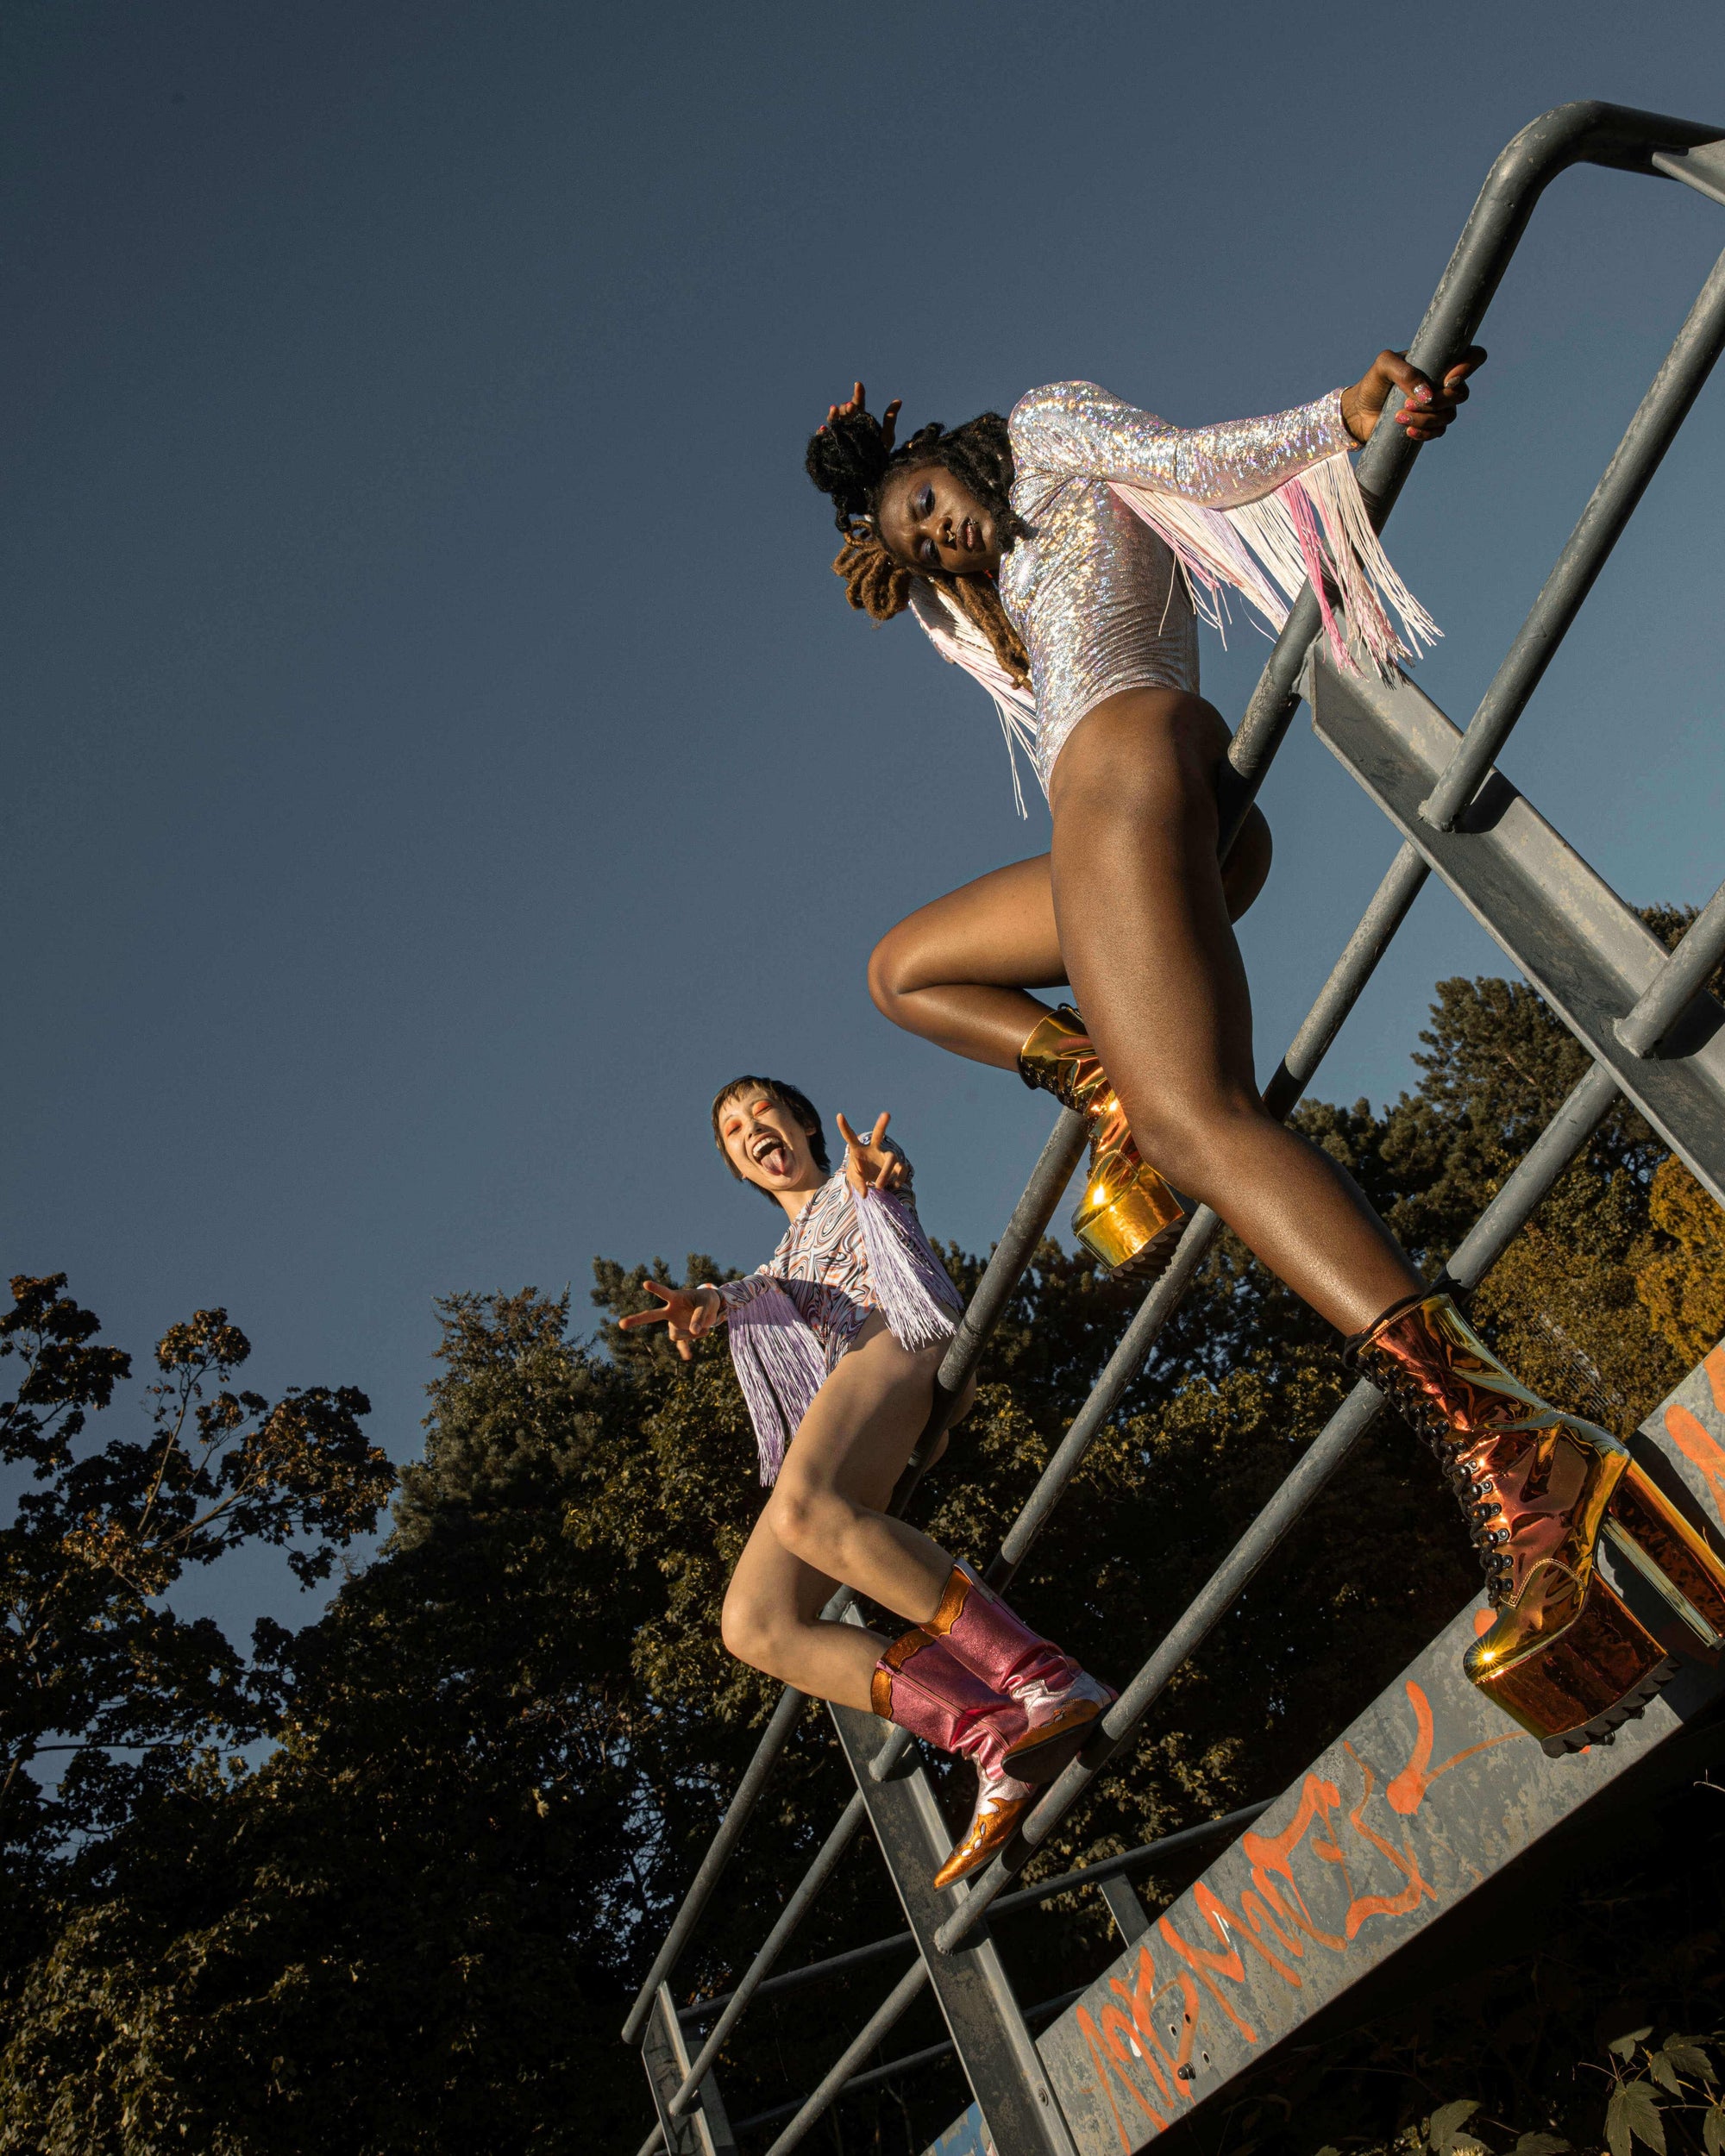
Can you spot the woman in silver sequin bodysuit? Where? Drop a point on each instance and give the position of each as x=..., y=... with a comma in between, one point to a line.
x=1077, y=507
x=1045, y=542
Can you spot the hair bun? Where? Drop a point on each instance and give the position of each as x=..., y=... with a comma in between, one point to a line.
x=847, y=459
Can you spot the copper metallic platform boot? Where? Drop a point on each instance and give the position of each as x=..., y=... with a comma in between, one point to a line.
x=1060, y=1701
x=1565, y=1657
x=1128, y=1217
x=922, y=1686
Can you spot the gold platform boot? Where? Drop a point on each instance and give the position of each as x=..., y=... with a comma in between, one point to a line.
x=1539, y=1489
x=1128, y=1217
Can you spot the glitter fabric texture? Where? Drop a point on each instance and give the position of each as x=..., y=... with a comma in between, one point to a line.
x=1097, y=596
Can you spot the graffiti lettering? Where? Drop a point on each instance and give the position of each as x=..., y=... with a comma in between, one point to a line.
x=1408, y=1791
x=1697, y=1444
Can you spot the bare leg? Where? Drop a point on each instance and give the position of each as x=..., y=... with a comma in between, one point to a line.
x=824, y=1523
x=955, y=971
x=1144, y=925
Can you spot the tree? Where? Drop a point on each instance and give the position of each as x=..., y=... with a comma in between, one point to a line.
x=416, y=1926
x=93, y=1663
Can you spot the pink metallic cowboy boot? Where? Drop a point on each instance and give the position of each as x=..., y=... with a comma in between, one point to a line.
x=921, y=1685
x=1059, y=1699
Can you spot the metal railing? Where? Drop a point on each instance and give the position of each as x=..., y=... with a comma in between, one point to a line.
x=1654, y=1037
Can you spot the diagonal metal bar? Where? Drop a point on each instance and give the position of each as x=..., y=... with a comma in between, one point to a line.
x=789, y=1917
x=1545, y=1160
x=1144, y=1858
x=1601, y=133
x=911, y=2062
x=1588, y=130
x=890, y=2011
x=773, y=1741
x=1613, y=502
x=1683, y=976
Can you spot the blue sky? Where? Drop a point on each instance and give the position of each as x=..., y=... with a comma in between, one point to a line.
x=439, y=754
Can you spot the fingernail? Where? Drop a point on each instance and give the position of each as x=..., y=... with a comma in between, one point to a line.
x=1423, y=394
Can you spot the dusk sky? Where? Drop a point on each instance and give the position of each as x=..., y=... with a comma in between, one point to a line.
x=438, y=752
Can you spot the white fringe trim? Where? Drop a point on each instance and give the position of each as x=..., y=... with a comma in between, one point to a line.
x=962, y=643
x=1313, y=526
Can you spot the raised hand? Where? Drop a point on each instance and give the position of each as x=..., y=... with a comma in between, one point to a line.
x=687, y=1315
x=868, y=1164
x=858, y=401
x=1427, y=411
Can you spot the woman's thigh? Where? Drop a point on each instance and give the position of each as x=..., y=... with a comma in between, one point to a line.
x=1141, y=904
x=769, y=1585
x=863, y=1423
x=998, y=931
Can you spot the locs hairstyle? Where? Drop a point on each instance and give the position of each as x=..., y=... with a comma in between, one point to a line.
x=800, y=1106
x=848, y=459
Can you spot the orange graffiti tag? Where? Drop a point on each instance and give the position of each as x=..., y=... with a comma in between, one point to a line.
x=1697, y=1444
x=1408, y=1791
x=1367, y=1905
x=1269, y=1853
x=1146, y=2001
x=1713, y=1364
x=1087, y=2029
x=1223, y=1921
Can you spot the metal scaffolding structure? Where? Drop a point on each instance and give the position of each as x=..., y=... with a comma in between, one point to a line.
x=1158, y=2034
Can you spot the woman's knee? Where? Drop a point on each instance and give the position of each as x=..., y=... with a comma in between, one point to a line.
x=804, y=1518
x=889, y=972
x=1192, y=1137
x=749, y=1630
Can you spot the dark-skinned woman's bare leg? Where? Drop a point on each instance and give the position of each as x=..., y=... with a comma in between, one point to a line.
x=1144, y=926
x=956, y=969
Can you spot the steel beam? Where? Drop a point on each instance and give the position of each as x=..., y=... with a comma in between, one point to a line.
x=1146, y=1857
x=1423, y=1802
x=1587, y=953
x=703, y=2133
x=971, y=1986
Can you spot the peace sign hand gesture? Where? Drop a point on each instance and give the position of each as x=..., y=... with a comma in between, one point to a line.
x=686, y=1315
x=857, y=401
x=868, y=1164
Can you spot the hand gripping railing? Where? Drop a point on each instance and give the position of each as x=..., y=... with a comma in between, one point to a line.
x=1594, y=132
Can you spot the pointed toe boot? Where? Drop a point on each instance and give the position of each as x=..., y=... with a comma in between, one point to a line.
x=1540, y=1489
x=1001, y=1802
x=1128, y=1218
x=920, y=1684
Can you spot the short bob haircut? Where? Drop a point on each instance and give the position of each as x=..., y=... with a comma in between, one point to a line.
x=791, y=1097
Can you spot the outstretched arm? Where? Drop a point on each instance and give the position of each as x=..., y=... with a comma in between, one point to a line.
x=686, y=1314
x=1074, y=429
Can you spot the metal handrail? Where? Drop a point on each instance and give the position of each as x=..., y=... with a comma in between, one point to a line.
x=1591, y=131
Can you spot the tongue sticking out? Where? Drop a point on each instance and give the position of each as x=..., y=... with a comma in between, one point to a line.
x=775, y=1160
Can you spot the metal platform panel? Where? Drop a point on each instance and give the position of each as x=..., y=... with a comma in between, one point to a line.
x=1584, y=951
x=1428, y=1797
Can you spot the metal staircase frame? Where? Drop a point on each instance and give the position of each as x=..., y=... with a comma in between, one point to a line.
x=1319, y=1886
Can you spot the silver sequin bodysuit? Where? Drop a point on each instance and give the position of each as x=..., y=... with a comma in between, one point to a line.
x=1096, y=595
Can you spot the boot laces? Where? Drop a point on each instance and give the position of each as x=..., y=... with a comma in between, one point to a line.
x=1488, y=1529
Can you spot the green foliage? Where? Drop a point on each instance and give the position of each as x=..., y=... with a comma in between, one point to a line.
x=416, y=1926
x=93, y=1666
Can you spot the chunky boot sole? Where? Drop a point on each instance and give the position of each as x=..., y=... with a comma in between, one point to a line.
x=1038, y=1757
x=1129, y=1222
x=1646, y=1529
x=1581, y=1686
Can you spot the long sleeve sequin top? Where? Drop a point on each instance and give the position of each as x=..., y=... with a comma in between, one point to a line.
x=821, y=1263
x=1097, y=594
